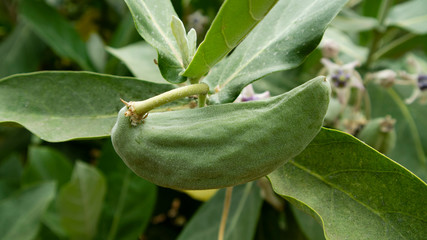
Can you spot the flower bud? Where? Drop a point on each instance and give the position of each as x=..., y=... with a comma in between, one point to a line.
x=380, y=134
x=422, y=81
x=330, y=49
x=386, y=78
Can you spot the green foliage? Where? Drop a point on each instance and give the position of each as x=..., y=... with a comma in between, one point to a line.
x=55, y=30
x=153, y=20
x=21, y=212
x=227, y=32
x=87, y=106
x=60, y=177
x=282, y=41
x=80, y=202
x=141, y=67
x=129, y=201
x=21, y=47
x=410, y=121
x=245, y=208
x=410, y=15
x=46, y=164
x=363, y=193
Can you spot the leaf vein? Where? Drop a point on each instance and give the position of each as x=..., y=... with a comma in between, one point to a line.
x=321, y=178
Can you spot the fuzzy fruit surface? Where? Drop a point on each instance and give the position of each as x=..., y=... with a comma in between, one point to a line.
x=222, y=145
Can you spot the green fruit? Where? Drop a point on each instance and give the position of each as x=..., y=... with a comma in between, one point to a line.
x=380, y=134
x=222, y=145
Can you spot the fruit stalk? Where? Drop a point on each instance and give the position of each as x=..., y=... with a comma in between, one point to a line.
x=137, y=111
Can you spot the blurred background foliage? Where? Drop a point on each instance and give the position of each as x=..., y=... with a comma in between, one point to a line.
x=82, y=189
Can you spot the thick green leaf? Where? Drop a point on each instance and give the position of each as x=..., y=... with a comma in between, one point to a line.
x=411, y=15
x=80, y=202
x=129, y=202
x=138, y=57
x=60, y=106
x=23, y=50
x=411, y=122
x=234, y=21
x=353, y=190
x=46, y=164
x=153, y=21
x=54, y=29
x=246, y=202
x=20, y=213
x=281, y=41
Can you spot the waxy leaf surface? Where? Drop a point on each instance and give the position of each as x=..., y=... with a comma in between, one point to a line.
x=355, y=192
x=60, y=106
x=282, y=40
x=153, y=21
x=233, y=22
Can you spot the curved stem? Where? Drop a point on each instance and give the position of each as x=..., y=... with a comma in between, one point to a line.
x=202, y=100
x=142, y=107
x=194, y=80
x=227, y=202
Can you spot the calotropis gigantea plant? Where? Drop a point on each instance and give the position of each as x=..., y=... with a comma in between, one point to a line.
x=351, y=189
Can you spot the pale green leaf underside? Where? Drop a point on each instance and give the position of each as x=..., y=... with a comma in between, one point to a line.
x=281, y=41
x=411, y=15
x=234, y=21
x=153, y=21
x=139, y=58
x=60, y=106
x=20, y=213
x=245, y=207
x=353, y=190
x=80, y=202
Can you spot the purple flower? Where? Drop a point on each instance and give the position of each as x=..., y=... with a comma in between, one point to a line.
x=248, y=94
x=342, y=78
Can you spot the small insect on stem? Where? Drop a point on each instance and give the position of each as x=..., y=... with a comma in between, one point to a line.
x=155, y=61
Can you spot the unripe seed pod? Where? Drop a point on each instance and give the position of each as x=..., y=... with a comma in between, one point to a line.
x=380, y=134
x=222, y=145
